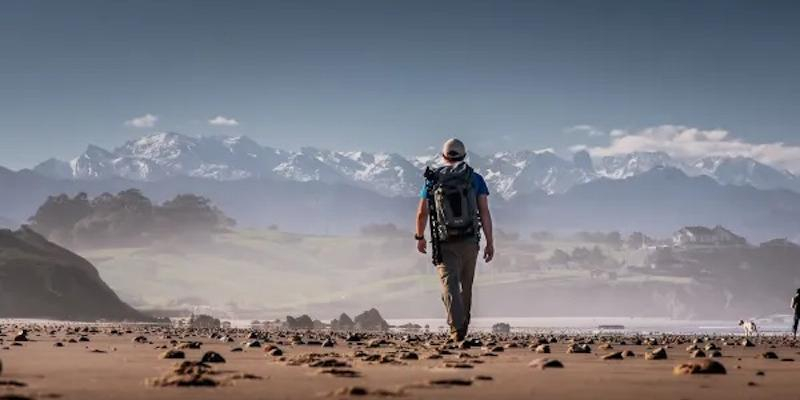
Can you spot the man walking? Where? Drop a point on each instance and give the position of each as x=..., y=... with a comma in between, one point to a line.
x=455, y=199
x=796, y=308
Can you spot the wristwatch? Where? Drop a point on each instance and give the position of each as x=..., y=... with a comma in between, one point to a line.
x=419, y=237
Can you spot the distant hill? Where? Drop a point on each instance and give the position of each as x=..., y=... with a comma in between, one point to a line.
x=39, y=279
x=658, y=202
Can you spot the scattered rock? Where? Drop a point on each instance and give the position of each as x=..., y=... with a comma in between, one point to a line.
x=700, y=367
x=212, y=357
x=341, y=372
x=187, y=373
x=542, y=349
x=12, y=383
x=139, y=339
x=698, y=354
x=544, y=363
x=769, y=355
x=576, y=348
x=172, y=354
x=613, y=356
x=457, y=365
x=657, y=354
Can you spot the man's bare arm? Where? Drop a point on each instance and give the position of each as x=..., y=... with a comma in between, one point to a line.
x=422, y=221
x=486, y=221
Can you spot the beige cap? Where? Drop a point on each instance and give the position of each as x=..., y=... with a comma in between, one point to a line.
x=454, y=149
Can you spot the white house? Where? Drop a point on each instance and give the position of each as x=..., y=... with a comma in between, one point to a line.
x=701, y=235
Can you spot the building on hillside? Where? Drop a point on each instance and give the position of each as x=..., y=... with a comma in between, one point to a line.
x=780, y=243
x=703, y=236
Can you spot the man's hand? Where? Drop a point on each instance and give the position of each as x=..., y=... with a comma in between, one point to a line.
x=488, y=252
x=422, y=246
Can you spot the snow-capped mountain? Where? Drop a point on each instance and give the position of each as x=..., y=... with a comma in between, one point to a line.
x=632, y=164
x=741, y=171
x=508, y=174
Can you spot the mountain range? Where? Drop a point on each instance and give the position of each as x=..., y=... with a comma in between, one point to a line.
x=329, y=192
x=160, y=156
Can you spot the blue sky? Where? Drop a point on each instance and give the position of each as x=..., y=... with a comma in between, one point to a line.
x=398, y=75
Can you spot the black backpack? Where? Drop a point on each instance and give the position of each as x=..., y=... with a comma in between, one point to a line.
x=453, y=194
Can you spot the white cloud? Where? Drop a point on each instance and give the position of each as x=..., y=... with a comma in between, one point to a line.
x=690, y=144
x=145, y=121
x=578, y=147
x=584, y=129
x=219, y=120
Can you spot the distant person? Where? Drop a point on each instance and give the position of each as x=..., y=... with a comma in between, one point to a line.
x=796, y=308
x=455, y=199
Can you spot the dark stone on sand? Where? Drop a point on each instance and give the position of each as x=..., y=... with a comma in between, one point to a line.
x=21, y=338
x=657, y=354
x=328, y=363
x=613, y=356
x=189, y=345
x=212, y=357
x=715, y=354
x=545, y=363
x=542, y=349
x=276, y=352
x=351, y=391
x=760, y=373
x=768, y=355
x=576, y=348
x=236, y=350
x=483, y=378
x=341, y=372
x=172, y=354
x=187, y=373
x=700, y=367
x=408, y=355
x=327, y=343
x=711, y=346
x=457, y=365
x=139, y=339
x=354, y=338
x=628, y=354
x=698, y=354
x=450, y=382
x=747, y=343
x=253, y=344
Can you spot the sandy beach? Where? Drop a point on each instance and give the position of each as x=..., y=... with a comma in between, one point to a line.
x=127, y=363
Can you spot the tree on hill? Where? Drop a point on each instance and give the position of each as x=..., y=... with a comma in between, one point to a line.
x=127, y=218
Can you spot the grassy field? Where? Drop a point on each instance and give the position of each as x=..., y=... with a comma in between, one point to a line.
x=277, y=272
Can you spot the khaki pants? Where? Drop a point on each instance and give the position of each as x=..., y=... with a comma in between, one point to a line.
x=456, y=273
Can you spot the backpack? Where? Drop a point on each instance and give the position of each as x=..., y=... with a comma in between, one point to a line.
x=455, y=202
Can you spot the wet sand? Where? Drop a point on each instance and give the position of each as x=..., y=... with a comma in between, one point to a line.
x=113, y=366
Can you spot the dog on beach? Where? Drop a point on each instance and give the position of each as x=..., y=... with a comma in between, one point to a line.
x=750, y=328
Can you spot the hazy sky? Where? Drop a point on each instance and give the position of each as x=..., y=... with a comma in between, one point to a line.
x=394, y=75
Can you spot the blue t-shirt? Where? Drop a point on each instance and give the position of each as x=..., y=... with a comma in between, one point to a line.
x=477, y=182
